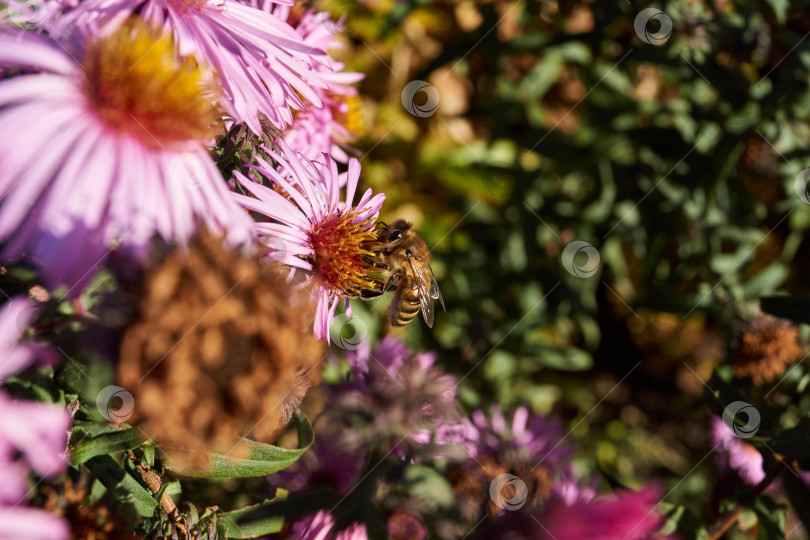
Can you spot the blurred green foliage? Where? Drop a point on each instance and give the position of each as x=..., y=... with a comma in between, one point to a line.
x=557, y=123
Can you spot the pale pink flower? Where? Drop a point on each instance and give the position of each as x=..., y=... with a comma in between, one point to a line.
x=82, y=173
x=321, y=526
x=262, y=63
x=736, y=454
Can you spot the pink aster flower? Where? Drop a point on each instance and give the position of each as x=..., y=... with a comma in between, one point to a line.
x=735, y=453
x=311, y=229
x=321, y=526
x=626, y=515
x=261, y=62
x=104, y=147
x=629, y=515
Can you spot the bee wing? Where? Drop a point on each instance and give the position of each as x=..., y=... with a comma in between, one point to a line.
x=434, y=289
x=424, y=286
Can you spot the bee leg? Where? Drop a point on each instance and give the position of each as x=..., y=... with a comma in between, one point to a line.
x=392, y=284
x=377, y=264
x=367, y=294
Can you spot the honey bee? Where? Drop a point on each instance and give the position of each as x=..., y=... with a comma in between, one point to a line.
x=402, y=260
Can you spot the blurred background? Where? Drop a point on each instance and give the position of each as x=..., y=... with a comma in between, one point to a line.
x=666, y=146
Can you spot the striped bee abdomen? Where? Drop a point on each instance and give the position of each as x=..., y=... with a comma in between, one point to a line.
x=406, y=304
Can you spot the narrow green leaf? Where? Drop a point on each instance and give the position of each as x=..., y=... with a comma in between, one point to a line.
x=88, y=430
x=235, y=525
x=263, y=459
x=107, y=443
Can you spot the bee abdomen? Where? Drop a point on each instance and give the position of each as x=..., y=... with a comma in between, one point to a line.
x=405, y=306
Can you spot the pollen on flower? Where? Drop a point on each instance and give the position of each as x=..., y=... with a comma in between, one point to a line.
x=137, y=84
x=340, y=241
x=350, y=114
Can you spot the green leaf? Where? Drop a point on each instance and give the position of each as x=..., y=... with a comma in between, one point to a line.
x=108, y=443
x=771, y=518
x=71, y=376
x=237, y=524
x=779, y=8
x=113, y=476
x=429, y=484
x=263, y=459
x=92, y=429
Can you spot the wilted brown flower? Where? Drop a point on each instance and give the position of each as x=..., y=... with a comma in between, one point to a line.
x=87, y=521
x=471, y=482
x=767, y=348
x=222, y=349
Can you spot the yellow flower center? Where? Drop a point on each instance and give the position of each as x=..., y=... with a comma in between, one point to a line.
x=340, y=243
x=138, y=85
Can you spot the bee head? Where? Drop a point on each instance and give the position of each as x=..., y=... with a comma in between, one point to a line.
x=397, y=229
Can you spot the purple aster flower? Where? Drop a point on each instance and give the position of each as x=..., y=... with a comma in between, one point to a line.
x=310, y=229
x=528, y=439
x=401, y=397
x=36, y=430
x=104, y=152
x=734, y=453
x=31, y=524
x=17, y=313
x=321, y=526
x=261, y=62
x=32, y=435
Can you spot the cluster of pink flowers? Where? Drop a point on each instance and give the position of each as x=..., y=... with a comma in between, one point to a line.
x=37, y=432
x=111, y=111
